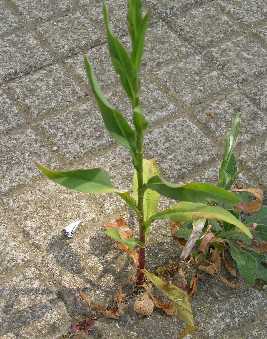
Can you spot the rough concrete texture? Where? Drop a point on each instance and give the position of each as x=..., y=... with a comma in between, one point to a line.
x=204, y=60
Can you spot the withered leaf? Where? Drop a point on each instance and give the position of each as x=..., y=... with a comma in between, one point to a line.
x=205, y=242
x=251, y=206
x=229, y=266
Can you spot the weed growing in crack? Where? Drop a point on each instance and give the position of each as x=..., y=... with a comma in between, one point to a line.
x=208, y=220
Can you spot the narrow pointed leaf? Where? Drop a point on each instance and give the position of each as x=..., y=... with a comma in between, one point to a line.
x=228, y=168
x=137, y=25
x=114, y=121
x=195, y=192
x=151, y=198
x=93, y=180
x=122, y=62
x=114, y=234
x=188, y=211
x=177, y=295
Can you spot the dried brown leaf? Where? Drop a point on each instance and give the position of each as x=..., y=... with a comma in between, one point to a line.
x=112, y=313
x=168, y=308
x=214, y=265
x=205, y=242
x=193, y=285
x=251, y=206
x=144, y=305
x=226, y=282
x=260, y=246
x=229, y=267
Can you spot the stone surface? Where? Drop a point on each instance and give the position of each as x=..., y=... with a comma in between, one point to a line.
x=173, y=153
x=246, y=11
x=34, y=10
x=46, y=90
x=9, y=115
x=18, y=151
x=257, y=92
x=20, y=54
x=255, y=157
x=79, y=130
x=29, y=305
x=85, y=27
x=262, y=31
x=241, y=59
x=204, y=26
x=8, y=21
x=192, y=80
x=217, y=116
x=204, y=60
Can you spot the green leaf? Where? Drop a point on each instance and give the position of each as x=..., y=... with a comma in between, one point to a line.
x=259, y=217
x=195, y=192
x=185, y=231
x=151, y=198
x=246, y=262
x=137, y=25
x=177, y=295
x=261, y=232
x=188, y=211
x=114, y=121
x=262, y=272
x=139, y=120
x=130, y=201
x=228, y=168
x=114, y=234
x=122, y=62
x=93, y=180
x=234, y=235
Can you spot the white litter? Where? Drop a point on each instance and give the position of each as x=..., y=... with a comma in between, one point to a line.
x=71, y=228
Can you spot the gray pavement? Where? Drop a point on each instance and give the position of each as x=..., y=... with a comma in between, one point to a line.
x=204, y=61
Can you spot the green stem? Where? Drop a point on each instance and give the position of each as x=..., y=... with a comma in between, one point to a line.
x=140, y=179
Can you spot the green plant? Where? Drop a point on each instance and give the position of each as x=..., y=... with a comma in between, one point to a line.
x=198, y=202
x=219, y=243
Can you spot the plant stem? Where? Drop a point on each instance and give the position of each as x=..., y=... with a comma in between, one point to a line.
x=140, y=179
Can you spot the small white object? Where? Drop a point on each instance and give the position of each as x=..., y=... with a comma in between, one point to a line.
x=71, y=228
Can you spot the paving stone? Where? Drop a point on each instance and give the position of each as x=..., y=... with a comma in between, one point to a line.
x=257, y=92
x=192, y=80
x=12, y=253
x=9, y=115
x=178, y=146
x=35, y=10
x=18, y=151
x=262, y=31
x=255, y=157
x=203, y=26
x=241, y=59
x=78, y=131
x=29, y=305
x=20, y=54
x=83, y=27
x=81, y=33
x=218, y=114
x=246, y=11
x=53, y=321
x=46, y=90
x=171, y=8
x=8, y=21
